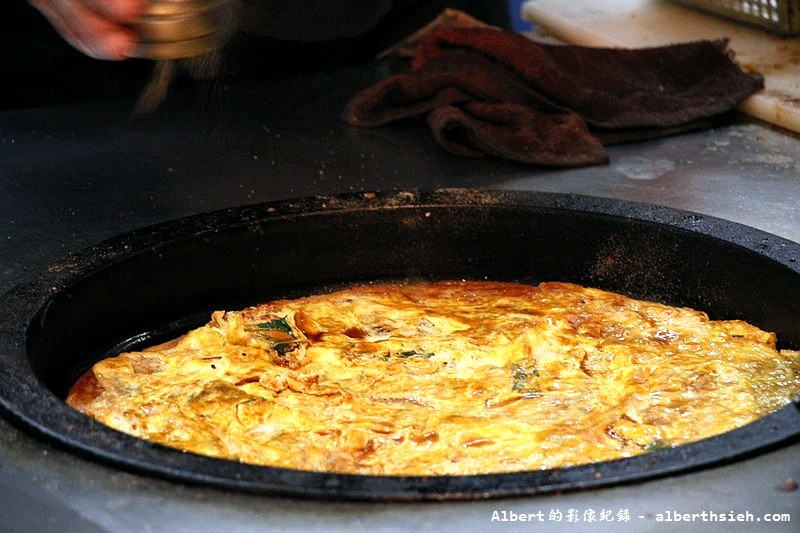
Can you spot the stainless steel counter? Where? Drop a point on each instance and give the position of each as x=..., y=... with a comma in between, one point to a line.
x=72, y=176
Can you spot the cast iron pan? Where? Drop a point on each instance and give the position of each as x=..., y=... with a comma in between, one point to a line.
x=155, y=283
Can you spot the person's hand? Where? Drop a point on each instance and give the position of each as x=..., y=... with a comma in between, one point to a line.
x=98, y=28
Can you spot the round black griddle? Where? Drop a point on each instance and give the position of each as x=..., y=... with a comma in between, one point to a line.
x=152, y=284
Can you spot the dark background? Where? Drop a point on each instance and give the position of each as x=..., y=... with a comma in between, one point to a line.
x=39, y=68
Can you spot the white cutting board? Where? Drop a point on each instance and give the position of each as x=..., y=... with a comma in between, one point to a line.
x=640, y=23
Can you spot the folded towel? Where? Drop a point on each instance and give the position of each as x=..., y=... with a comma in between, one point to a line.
x=493, y=92
x=515, y=132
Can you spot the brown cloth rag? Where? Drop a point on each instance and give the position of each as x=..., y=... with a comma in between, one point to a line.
x=494, y=92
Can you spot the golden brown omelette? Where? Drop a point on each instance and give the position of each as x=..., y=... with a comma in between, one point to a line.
x=454, y=377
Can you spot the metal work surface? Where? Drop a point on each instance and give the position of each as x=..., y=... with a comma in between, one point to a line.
x=75, y=175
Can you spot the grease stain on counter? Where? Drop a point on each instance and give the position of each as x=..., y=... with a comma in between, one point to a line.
x=643, y=168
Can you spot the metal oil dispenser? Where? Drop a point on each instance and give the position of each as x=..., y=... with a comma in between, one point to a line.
x=181, y=35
